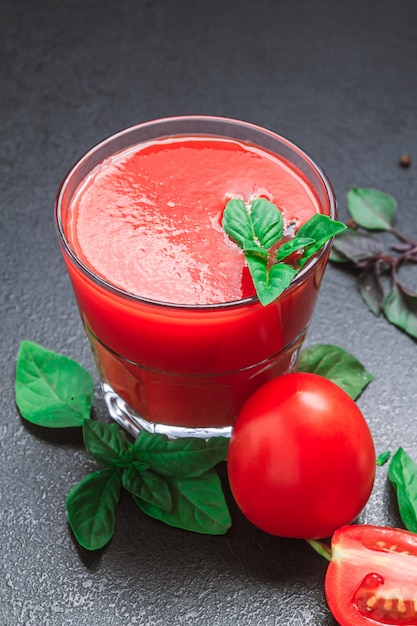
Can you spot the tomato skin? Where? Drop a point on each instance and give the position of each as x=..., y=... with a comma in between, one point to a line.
x=301, y=459
x=372, y=577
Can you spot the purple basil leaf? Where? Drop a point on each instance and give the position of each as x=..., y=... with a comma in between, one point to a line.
x=337, y=257
x=370, y=288
x=356, y=246
x=401, y=247
x=400, y=308
x=371, y=209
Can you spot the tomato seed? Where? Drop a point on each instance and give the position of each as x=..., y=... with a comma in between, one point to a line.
x=401, y=607
x=387, y=605
x=371, y=601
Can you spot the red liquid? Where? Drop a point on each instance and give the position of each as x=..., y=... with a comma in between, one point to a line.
x=148, y=221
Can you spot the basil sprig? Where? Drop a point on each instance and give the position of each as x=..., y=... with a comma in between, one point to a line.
x=377, y=266
x=172, y=481
x=259, y=230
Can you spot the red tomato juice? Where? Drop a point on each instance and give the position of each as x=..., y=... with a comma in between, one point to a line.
x=165, y=296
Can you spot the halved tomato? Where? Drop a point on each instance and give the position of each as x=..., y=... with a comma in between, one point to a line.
x=372, y=576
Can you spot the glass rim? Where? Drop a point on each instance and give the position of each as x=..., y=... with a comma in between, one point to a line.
x=305, y=271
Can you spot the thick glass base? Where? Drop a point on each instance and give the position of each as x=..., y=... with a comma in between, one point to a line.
x=133, y=422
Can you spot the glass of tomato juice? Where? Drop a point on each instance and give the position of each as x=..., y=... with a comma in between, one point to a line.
x=179, y=336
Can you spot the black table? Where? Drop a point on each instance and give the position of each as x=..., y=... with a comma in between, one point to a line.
x=339, y=79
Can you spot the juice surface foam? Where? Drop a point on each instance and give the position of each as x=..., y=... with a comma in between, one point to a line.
x=148, y=220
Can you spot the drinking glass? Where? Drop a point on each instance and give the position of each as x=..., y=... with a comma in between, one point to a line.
x=186, y=370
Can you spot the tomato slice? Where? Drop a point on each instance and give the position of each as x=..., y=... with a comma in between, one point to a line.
x=372, y=576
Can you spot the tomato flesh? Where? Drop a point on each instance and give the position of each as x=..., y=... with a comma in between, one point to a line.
x=372, y=577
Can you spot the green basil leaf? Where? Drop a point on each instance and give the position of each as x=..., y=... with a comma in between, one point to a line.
x=107, y=443
x=370, y=288
x=337, y=365
x=187, y=456
x=51, y=389
x=356, y=246
x=91, y=506
x=253, y=249
x=148, y=486
x=383, y=458
x=291, y=246
x=267, y=222
x=320, y=228
x=269, y=283
x=371, y=209
x=198, y=505
x=402, y=473
x=237, y=224
x=258, y=227
x=400, y=308
x=139, y=465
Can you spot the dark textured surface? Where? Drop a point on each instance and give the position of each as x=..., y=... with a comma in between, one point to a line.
x=337, y=78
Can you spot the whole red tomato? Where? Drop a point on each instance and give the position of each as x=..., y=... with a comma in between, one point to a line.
x=301, y=460
x=372, y=576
